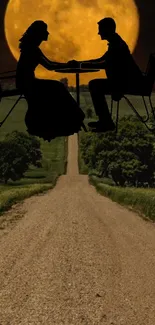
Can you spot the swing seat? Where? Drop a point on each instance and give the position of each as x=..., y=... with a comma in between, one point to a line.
x=31, y=130
x=48, y=124
x=8, y=93
x=149, y=76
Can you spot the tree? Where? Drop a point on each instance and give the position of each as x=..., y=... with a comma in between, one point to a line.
x=128, y=157
x=84, y=88
x=18, y=151
x=13, y=162
x=30, y=143
x=71, y=89
x=65, y=82
x=89, y=112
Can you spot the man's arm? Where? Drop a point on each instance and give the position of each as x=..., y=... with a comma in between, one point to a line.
x=89, y=63
x=94, y=61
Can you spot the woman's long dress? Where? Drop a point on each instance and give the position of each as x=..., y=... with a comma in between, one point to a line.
x=52, y=111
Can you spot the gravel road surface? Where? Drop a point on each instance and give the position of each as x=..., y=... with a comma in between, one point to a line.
x=74, y=257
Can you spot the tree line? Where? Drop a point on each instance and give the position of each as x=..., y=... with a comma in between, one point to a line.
x=128, y=157
x=72, y=88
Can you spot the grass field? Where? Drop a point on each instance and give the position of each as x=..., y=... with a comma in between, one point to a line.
x=86, y=102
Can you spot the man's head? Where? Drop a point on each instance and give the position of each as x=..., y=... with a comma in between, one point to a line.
x=106, y=28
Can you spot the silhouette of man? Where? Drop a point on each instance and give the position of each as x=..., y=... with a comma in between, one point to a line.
x=123, y=74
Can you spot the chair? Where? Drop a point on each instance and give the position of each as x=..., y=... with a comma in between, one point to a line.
x=7, y=93
x=149, y=82
x=15, y=92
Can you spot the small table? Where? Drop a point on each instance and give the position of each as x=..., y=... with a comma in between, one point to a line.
x=77, y=71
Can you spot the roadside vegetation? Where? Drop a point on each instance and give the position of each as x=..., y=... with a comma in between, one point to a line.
x=122, y=166
x=28, y=165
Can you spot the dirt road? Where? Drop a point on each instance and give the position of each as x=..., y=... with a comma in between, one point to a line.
x=76, y=257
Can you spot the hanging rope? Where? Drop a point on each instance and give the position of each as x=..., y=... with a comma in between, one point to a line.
x=11, y=92
x=7, y=71
x=9, y=77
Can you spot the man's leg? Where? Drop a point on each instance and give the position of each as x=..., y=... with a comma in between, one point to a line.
x=98, y=89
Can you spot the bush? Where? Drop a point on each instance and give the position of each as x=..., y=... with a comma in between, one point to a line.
x=18, y=152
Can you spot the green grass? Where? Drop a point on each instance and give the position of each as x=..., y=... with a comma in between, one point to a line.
x=35, y=180
x=83, y=169
x=139, y=200
x=86, y=101
x=12, y=195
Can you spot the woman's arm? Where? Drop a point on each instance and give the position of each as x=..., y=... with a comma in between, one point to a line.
x=48, y=64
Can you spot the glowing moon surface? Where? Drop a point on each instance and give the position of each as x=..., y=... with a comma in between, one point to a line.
x=73, y=29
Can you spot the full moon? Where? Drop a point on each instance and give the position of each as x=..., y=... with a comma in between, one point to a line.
x=73, y=29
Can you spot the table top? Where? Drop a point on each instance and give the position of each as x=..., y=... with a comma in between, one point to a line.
x=76, y=70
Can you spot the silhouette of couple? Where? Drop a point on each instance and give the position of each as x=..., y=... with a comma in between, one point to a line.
x=52, y=111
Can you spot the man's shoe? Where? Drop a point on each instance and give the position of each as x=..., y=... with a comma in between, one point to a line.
x=101, y=127
x=104, y=128
x=94, y=124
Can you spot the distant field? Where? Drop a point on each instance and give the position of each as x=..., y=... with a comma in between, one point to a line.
x=16, y=119
x=86, y=101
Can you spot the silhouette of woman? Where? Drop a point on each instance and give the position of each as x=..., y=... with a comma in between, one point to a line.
x=50, y=105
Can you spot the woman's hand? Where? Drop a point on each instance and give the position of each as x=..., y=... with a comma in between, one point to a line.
x=60, y=66
x=74, y=63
